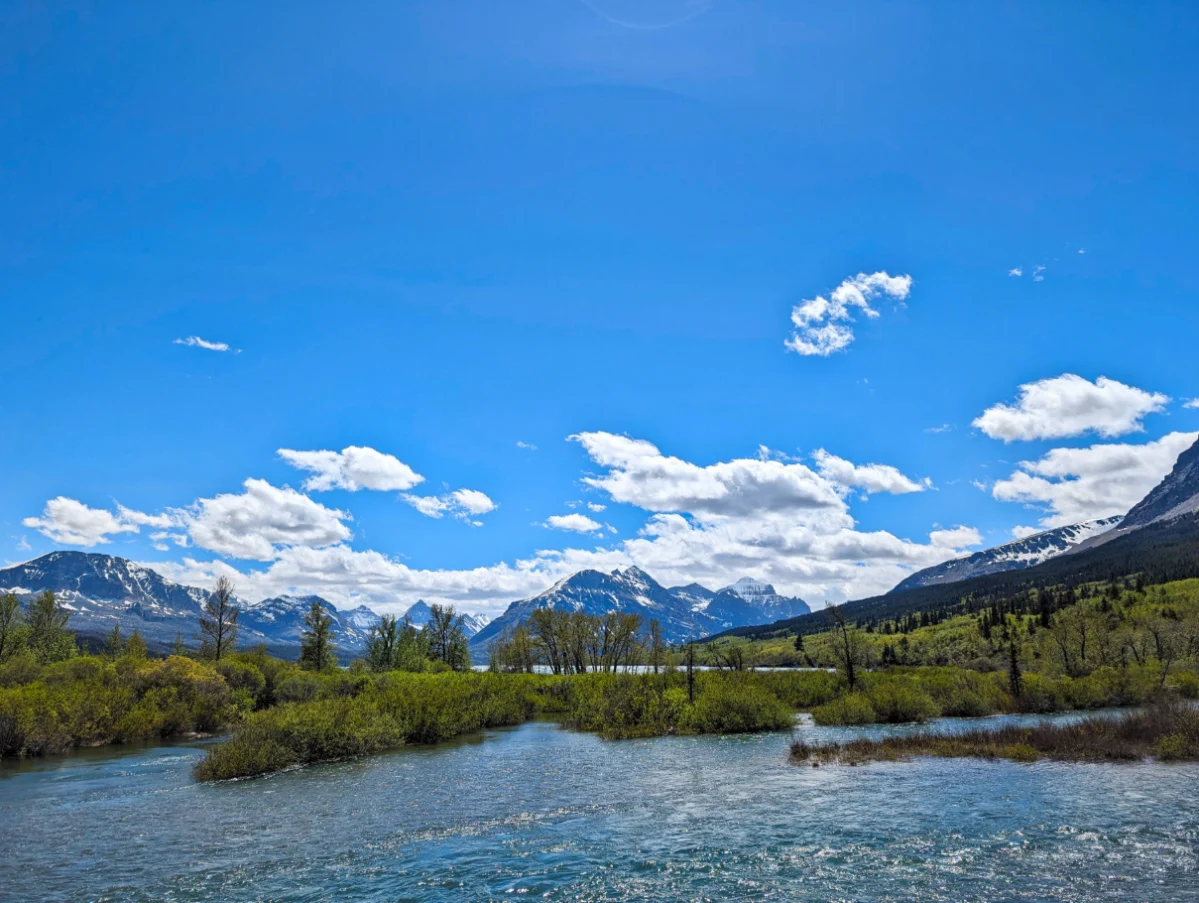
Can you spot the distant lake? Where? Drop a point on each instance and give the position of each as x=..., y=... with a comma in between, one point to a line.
x=541, y=812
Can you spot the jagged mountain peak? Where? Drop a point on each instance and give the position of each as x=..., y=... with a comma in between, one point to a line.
x=1174, y=496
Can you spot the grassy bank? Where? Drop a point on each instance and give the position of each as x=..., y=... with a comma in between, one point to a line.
x=901, y=695
x=1167, y=731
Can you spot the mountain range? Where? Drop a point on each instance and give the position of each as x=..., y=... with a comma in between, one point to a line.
x=682, y=611
x=101, y=591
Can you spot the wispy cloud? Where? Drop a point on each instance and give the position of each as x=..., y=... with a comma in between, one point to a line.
x=1038, y=273
x=194, y=341
x=943, y=428
x=1016, y=271
x=527, y=446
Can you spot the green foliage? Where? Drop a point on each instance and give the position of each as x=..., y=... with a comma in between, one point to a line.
x=48, y=637
x=88, y=700
x=388, y=711
x=853, y=708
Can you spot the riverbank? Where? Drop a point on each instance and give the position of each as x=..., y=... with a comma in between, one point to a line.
x=1167, y=731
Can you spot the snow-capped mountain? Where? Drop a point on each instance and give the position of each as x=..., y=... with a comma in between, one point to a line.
x=419, y=614
x=683, y=611
x=1012, y=556
x=101, y=591
x=763, y=597
x=281, y=622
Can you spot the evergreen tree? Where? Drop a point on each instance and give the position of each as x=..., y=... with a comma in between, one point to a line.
x=316, y=645
x=179, y=649
x=136, y=647
x=799, y=642
x=114, y=643
x=218, y=621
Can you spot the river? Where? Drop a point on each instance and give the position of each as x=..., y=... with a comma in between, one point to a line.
x=541, y=812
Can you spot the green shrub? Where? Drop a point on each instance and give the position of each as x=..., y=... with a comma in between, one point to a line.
x=853, y=708
x=734, y=706
x=897, y=702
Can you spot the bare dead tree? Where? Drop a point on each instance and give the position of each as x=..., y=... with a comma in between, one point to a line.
x=218, y=621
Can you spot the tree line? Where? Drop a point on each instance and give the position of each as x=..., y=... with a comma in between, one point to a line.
x=574, y=642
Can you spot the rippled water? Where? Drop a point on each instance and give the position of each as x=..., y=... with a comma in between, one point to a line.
x=542, y=812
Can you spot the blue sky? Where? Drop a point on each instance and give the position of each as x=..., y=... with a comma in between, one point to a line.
x=440, y=230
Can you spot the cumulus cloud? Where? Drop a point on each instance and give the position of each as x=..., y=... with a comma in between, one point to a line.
x=1069, y=405
x=1078, y=484
x=573, y=523
x=1015, y=271
x=194, y=341
x=464, y=504
x=255, y=523
x=73, y=523
x=1191, y=403
x=596, y=507
x=867, y=477
x=352, y=468
x=1023, y=532
x=820, y=322
x=639, y=474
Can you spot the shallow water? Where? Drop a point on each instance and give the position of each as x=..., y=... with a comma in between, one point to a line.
x=543, y=812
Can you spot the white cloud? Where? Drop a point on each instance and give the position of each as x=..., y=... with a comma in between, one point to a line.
x=1082, y=250
x=428, y=505
x=573, y=523
x=868, y=477
x=819, y=322
x=194, y=341
x=1015, y=271
x=256, y=523
x=1079, y=484
x=464, y=504
x=956, y=538
x=1191, y=403
x=352, y=468
x=1037, y=274
x=1069, y=405
x=943, y=428
x=596, y=507
x=472, y=501
x=73, y=523
x=23, y=545
x=777, y=520
x=1020, y=532
x=638, y=474
x=527, y=446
